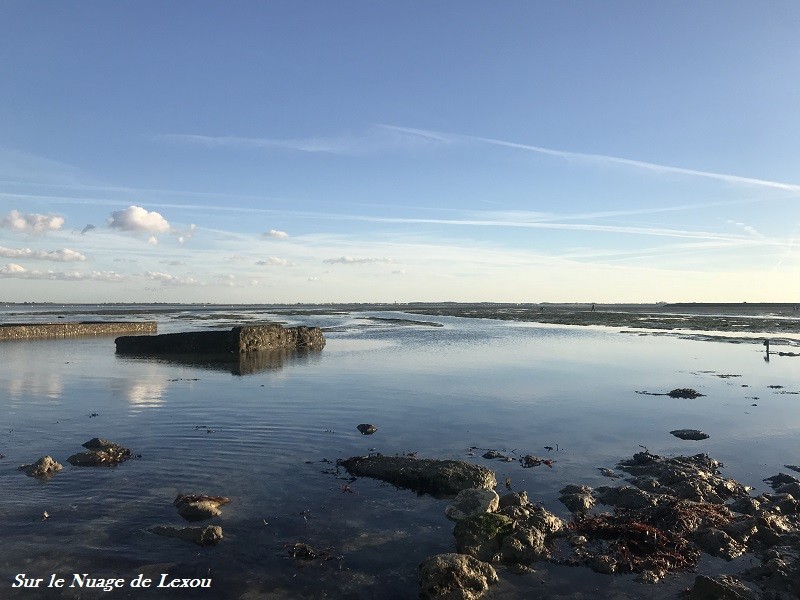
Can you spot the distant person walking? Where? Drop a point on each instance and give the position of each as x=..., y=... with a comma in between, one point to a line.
x=592, y=306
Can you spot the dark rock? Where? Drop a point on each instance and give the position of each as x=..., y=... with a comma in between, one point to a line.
x=492, y=454
x=442, y=478
x=781, y=479
x=718, y=543
x=778, y=574
x=209, y=535
x=723, y=587
x=684, y=393
x=454, y=577
x=514, y=499
x=624, y=497
x=528, y=461
x=367, y=429
x=577, y=498
x=302, y=551
x=690, y=434
x=44, y=467
x=524, y=546
x=792, y=488
x=577, y=503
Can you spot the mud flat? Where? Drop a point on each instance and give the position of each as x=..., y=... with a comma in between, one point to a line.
x=727, y=318
x=236, y=341
x=30, y=331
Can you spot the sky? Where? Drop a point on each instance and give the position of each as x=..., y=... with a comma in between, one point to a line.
x=356, y=151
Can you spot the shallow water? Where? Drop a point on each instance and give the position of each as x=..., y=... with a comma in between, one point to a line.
x=260, y=434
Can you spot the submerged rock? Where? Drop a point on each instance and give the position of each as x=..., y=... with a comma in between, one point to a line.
x=441, y=478
x=44, y=467
x=209, y=535
x=684, y=393
x=468, y=503
x=101, y=453
x=690, y=434
x=723, y=587
x=454, y=577
x=196, y=507
x=367, y=429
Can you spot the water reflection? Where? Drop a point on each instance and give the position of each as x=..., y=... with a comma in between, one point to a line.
x=246, y=363
x=41, y=385
x=144, y=394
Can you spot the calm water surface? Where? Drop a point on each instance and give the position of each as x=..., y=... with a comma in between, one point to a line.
x=262, y=433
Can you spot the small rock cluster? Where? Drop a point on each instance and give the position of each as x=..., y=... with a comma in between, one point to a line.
x=44, y=467
x=195, y=507
x=101, y=452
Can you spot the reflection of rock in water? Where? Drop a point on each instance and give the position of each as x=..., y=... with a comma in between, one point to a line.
x=246, y=363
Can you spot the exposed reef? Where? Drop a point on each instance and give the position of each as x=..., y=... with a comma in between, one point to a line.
x=31, y=331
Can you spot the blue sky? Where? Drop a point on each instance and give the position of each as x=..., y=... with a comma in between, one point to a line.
x=365, y=151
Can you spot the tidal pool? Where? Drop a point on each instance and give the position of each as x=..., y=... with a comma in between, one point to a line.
x=268, y=437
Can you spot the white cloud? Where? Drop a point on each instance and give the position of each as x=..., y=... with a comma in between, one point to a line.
x=32, y=222
x=274, y=261
x=169, y=279
x=65, y=255
x=313, y=278
x=19, y=272
x=152, y=240
x=136, y=218
x=274, y=233
x=173, y=263
x=349, y=260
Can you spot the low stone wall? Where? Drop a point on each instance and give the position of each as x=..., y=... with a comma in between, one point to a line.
x=236, y=341
x=275, y=337
x=30, y=331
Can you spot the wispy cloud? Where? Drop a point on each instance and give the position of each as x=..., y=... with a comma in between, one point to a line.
x=350, y=260
x=374, y=139
x=279, y=235
x=454, y=138
x=64, y=255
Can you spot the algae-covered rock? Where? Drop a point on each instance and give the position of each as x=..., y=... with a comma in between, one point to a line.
x=454, y=577
x=480, y=536
x=442, y=478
